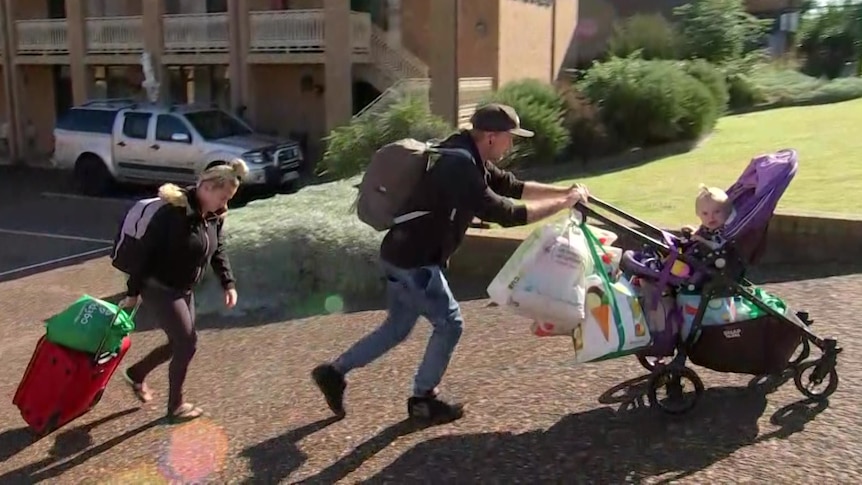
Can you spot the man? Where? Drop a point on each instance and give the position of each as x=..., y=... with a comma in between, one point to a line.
x=415, y=253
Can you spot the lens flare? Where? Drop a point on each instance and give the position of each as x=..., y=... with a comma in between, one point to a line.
x=193, y=452
x=333, y=304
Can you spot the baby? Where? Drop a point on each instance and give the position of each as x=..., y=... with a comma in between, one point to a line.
x=714, y=209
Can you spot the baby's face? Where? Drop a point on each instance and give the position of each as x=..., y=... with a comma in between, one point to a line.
x=711, y=214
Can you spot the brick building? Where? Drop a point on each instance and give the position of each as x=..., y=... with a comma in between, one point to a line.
x=295, y=67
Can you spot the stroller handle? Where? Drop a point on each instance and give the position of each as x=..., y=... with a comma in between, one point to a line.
x=587, y=210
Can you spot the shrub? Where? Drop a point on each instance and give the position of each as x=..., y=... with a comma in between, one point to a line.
x=350, y=147
x=303, y=253
x=542, y=110
x=589, y=136
x=743, y=92
x=648, y=102
x=716, y=30
x=832, y=39
x=711, y=77
x=652, y=35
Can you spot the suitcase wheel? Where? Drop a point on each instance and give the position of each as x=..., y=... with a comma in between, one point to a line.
x=96, y=399
x=51, y=425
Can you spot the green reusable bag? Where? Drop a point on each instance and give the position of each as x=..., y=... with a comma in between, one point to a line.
x=90, y=325
x=751, y=311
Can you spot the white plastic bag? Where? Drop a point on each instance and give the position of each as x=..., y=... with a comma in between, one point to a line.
x=552, y=286
x=500, y=289
x=551, y=289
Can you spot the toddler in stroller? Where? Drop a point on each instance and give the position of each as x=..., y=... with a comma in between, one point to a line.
x=669, y=268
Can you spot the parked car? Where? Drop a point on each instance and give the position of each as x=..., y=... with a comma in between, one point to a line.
x=122, y=140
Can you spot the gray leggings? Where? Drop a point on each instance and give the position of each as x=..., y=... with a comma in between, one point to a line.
x=175, y=313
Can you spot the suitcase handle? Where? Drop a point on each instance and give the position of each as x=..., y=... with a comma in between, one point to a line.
x=103, y=357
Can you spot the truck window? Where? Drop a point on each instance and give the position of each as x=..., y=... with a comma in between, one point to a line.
x=135, y=125
x=167, y=125
x=216, y=124
x=88, y=120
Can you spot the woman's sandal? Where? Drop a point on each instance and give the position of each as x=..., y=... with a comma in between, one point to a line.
x=142, y=393
x=185, y=412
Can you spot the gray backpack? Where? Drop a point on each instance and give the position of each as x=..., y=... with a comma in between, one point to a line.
x=391, y=178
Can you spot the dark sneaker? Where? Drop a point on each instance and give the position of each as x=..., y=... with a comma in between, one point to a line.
x=332, y=385
x=432, y=409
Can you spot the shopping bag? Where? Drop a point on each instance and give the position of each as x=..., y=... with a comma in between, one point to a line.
x=551, y=287
x=719, y=311
x=90, y=325
x=614, y=323
x=500, y=288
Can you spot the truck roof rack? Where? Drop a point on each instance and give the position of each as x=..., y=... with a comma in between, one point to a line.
x=109, y=103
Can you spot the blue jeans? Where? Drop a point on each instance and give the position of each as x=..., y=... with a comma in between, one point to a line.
x=412, y=293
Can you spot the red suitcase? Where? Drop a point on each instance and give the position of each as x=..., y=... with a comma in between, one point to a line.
x=62, y=384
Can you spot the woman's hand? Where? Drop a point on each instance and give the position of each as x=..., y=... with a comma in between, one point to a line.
x=128, y=302
x=230, y=298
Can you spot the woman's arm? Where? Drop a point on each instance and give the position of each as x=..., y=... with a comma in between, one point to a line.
x=220, y=262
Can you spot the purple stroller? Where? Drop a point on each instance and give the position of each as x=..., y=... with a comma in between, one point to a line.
x=760, y=346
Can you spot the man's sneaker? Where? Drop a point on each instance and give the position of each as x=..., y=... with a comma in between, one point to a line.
x=432, y=409
x=332, y=385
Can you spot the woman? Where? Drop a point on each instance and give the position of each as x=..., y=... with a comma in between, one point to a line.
x=183, y=237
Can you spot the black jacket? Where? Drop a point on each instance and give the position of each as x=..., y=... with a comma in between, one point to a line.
x=178, y=245
x=455, y=191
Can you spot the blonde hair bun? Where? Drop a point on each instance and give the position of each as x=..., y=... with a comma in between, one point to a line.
x=239, y=168
x=714, y=194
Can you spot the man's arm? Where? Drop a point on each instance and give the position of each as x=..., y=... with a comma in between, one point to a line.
x=494, y=208
x=538, y=191
x=504, y=182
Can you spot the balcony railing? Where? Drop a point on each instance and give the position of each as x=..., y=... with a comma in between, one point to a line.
x=115, y=35
x=196, y=33
x=285, y=31
x=42, y=36
x=302, y=31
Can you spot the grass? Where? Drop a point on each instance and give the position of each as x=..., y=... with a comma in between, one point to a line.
x=830, y=169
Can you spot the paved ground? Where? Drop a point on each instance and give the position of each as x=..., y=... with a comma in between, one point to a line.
x=532, y=418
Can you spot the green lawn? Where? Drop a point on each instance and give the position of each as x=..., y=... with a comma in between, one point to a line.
x=827, y=137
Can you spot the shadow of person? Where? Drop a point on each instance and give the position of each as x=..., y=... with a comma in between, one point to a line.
x=274, y=460
x=598, y=446
x=350, y=463
x=66, y=443
x=75, y=441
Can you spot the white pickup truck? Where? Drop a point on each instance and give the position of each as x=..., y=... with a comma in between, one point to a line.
x=122, y=140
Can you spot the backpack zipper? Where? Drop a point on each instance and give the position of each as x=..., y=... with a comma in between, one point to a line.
x=202, y=265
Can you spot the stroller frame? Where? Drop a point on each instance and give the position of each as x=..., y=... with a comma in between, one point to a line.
x=723, y=268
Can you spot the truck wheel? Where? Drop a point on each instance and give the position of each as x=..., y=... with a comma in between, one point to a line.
x=92, y=176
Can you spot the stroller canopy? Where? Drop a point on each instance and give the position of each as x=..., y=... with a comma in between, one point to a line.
x=756, y=193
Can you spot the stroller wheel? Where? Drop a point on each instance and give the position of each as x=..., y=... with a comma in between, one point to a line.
x=673, y=381
x=813, y=386
x=804, y=353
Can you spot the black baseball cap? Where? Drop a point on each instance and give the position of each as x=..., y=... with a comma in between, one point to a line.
x=498, y=118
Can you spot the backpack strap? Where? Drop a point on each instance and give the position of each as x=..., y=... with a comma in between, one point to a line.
x=455, y=152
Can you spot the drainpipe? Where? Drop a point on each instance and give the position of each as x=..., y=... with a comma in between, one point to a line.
x=553, y=41
x=10, y=72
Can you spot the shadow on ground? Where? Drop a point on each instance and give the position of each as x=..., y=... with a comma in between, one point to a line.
x=74, y=445
x=19, y=274
x=602, y=445
x=773, y=274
